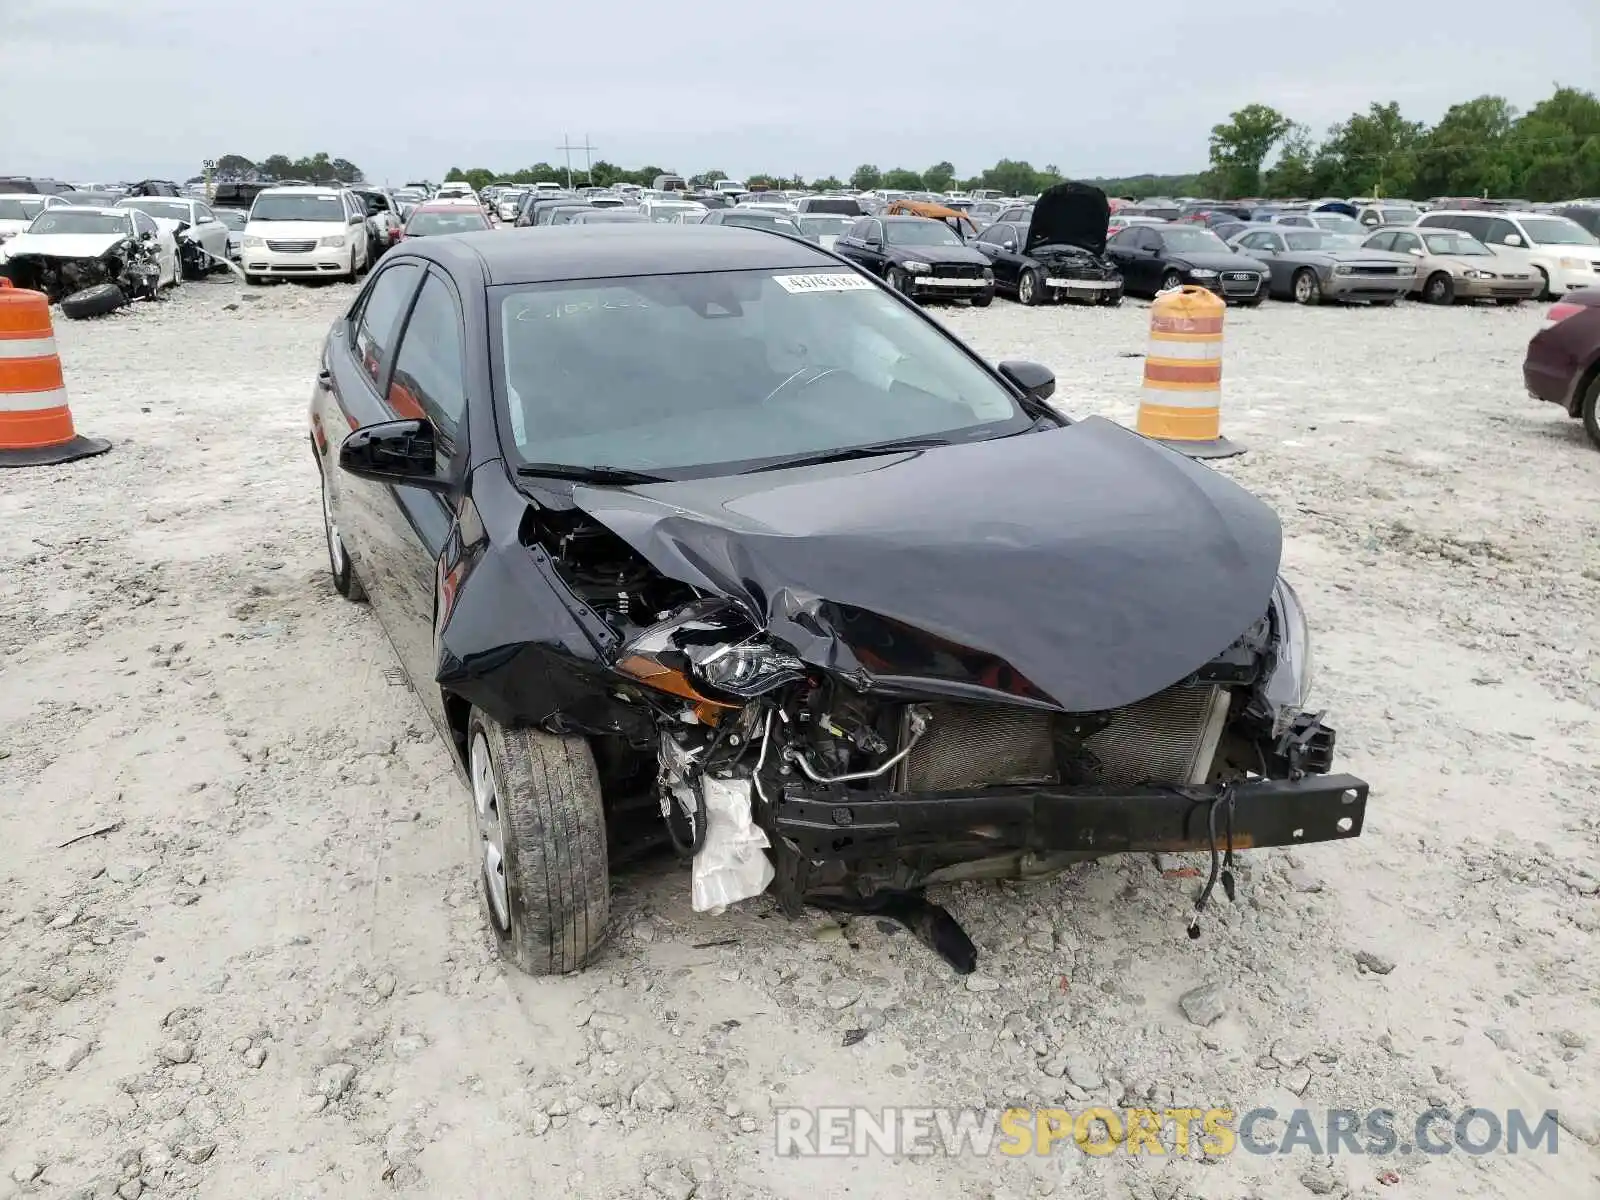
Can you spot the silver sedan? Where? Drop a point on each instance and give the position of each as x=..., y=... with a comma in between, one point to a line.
x=1312, y=265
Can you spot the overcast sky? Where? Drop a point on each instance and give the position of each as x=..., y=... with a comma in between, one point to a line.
x=120, y=89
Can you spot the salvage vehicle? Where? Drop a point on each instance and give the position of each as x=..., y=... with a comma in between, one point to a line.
x=1309, y=266
x=646, y=515
x=919, y=257
x=202, y=239
x=305, y=232
x=1564, y=254
x=1562, y=365
x=68, y=249
x=1059, y=254
x=1158, y=258
x=18, y=209
x=383, y=220
x=1454, y=266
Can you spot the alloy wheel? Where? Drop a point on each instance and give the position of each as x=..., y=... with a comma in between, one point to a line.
x=491, y=833
x=336, y=555
x=1025, y=288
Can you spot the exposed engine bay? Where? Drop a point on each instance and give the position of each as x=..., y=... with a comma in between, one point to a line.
x=131, y=263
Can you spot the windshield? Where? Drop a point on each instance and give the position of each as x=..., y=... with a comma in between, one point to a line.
x=760, y=220
x=460, y=220
x=920, y=232
x=1190, y=237
x=668, y=212
x=1557, y=231
x=690, y=374
x=607, y=216
x=58, y=220
x=12, y=209
x=297, y=207
x=1399, y=216
x=1338, y=223
x=1454, y=243
x=167, y=210
x=233, y=218
x=1315, y=239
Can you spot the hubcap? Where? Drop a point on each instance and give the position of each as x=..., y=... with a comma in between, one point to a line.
x=335, y=545
x=1302, y=287
x=1027, y=288
x=491, y=836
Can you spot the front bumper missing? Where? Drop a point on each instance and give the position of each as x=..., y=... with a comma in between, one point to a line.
x=833, y=823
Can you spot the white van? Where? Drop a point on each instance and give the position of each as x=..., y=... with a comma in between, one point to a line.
x=300, y=232
x=1564, y=252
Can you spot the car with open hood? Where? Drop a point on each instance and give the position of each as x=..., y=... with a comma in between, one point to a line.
x=1157, y=258
x=202, y=239
x=919, y=257
x=645, y=513
x=1309, y=266
x=69, y=249
x=1453, y=266
x=1059, y=254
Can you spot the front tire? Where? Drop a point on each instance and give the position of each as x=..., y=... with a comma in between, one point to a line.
x=255, y=280
x=541, y=840
x=983, y=300
x=1171, y=281
x=1307, y=288
x=898, y=281
x=1030, y=288
x=1544, y=291
x=1440, y=288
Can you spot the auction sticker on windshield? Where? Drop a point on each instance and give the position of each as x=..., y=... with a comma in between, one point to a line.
x=842, y=281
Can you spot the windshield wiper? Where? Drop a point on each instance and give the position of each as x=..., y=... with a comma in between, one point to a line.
x=596, y=474
x=849, y=452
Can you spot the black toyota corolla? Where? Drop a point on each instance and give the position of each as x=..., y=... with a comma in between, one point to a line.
x=705, y=529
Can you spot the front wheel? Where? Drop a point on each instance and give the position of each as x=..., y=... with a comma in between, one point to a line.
x=1544, y=285
x=983, y=300
x=541, y=844
x=1171, y=281
x=1440, y=288
x=1307, y=289
x=1030, y=288
x=897, y=280
x=1508, y=301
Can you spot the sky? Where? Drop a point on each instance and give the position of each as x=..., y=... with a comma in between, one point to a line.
x=104, y=90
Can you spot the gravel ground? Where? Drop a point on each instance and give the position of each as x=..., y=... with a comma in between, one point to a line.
x=264, y=972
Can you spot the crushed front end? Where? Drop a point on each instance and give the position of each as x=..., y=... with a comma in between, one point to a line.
x=132, y=265
x=1072, y=273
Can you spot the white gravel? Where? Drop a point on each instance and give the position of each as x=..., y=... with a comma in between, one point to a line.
x=269, y=977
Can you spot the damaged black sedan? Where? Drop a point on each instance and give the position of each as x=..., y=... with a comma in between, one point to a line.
x=1058, y=253
x=704, y=528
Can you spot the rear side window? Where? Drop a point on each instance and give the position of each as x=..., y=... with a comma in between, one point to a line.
x=429, y=381
x=1477, y=226
x=1499, y=230
x=1383, y=241
x=391, y=291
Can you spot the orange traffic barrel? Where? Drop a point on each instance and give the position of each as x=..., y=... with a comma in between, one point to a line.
x=1181, y=404
x=35, y=422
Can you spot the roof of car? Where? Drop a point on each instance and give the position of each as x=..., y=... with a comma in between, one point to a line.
x=303, y=189
x=604, y=251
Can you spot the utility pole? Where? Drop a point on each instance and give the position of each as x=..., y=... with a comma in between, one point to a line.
x=588, y=163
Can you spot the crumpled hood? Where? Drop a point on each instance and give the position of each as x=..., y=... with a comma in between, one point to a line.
x=1096, y=565
x=1073, y=214
x=64, y=245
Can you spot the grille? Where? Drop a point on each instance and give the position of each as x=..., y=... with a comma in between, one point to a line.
x=1239, y=283
x=952, y=271
x=1376, y=271
x=292, y=247
x=1168, y=738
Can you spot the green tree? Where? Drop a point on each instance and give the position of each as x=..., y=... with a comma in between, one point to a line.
x=276, y=166
x=1241, y=144
x=1466, y=152
x=1294, y=174
x=865, y=177
x=1012, y=178
x=940, y=177
x=346, y=171
x=1554, y=150
x=903, y=180
x=1376, y=151
x=232, y=166
x=828, y=184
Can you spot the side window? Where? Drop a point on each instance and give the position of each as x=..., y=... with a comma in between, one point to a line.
x=875, y=230
x=429, y=380
x=995, y=235
x=858, y=230
x=204, y=213
x=1477, y=226
x=1252, y=241
x=1147, y=239
x=380, y=316
x=143, y=223
x=1382, y=241
x=1499, y=229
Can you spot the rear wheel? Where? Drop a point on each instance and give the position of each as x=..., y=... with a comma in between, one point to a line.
x=1307, y=290
x=1440, y=288
x=1030, y=287
x=541, y=844
x=1590, y=410
x=344, y=576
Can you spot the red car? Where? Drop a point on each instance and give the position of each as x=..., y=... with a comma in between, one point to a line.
x=1563, y=362
x=429, y=220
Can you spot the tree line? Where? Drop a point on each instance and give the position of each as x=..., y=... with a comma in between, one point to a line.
x=1482, y=146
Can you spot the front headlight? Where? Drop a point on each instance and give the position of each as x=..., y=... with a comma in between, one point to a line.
x=988, y=273
x=1344, y=269
x=1572, y=264
x=252, y=242
x=1476, y=274
x=332, y=242
x=917, y=268
x=1202, y=273
x=1288, y=685
x=746, y=670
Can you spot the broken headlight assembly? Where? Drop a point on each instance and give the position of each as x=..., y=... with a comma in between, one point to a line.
x=747, y=670
x=708, y=644
x=1287, y=687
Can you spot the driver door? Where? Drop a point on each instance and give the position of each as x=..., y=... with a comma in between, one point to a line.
x=1000, y=244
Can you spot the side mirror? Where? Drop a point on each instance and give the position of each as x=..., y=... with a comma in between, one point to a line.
x=1415, y=251
x=1008, y=245
x=355, y=220
x=1036, y=379
x=1511, y=239
x=392, y=452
